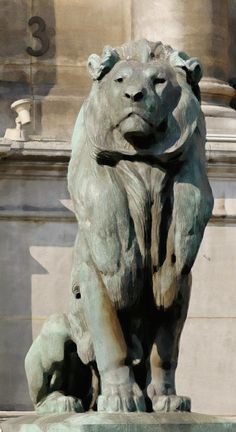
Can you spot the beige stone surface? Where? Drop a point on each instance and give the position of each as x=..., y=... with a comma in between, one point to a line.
x=53, y=259
x=17, y=279
x=225, y=196
x=61, y=81
x=34, y=287
x=14, y=31
x=207, y=365
x=15, y=73
x=74, y=31
x=35, y=256
x=60, y=125
x=232, y=35
x=199, y=28
x=214, y=275
x=15, y=340
x=81, y=27
x=26, y=193
x=32, y=212
x=37, y=285
x=202, y=29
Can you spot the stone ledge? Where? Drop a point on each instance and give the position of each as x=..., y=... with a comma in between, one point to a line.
x=68, y=217
x=120, y=422
x=38, y=216
x=35, y=149
x=220, y=149
x=221, y=154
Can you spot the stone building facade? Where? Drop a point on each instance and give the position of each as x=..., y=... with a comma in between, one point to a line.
x=37, y=226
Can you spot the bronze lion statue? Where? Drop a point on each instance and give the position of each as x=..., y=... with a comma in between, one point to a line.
x=142, y=199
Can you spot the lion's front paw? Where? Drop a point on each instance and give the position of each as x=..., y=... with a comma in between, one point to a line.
x=57, y=402
x=164, y=398
x=120, y=393
x=171, y=403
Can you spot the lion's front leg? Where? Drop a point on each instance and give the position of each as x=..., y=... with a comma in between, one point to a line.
x=164, y=355
x=119, y=392
x=161, y=389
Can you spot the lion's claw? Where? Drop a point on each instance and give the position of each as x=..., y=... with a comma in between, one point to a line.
x=121, y=404
x=57, y=402
x=120, y=393
x=167, y=403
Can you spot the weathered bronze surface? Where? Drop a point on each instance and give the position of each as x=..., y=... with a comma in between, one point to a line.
x=142, y=199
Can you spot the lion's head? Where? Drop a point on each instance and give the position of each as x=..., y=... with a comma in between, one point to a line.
x=144, y=103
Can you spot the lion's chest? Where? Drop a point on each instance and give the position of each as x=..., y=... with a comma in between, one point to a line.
x=147, y=190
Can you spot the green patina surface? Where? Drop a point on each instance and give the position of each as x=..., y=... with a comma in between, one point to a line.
x=142, y=199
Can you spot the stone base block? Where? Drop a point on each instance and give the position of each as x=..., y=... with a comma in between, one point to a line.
x=120, y=422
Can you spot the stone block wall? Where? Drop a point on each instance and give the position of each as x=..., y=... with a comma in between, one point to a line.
x=37, y=227
x=37, y=234
x=56, y=81
x=37, y=231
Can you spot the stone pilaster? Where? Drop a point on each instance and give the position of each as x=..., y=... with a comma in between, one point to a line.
x=202, y=30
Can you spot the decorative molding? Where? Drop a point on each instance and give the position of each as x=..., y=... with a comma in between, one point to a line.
x=37, y=216
x=33, y=169
x=221, y=156
x=68, y=217
x=48, y=160
x=36, y=149
x=215, y=90
x=218, y=148
x=222, y=219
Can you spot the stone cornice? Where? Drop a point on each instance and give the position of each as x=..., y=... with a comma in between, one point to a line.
x=68, y=217
x=40, y=150
x=38, y=215
x=16, y=156
x=217, y=91
x=221, y=155
x=47, y=160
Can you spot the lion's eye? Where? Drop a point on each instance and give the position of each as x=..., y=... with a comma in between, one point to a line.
x=158, y=80
x=119, y=79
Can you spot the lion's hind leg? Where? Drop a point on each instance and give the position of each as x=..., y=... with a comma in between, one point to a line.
x=45, y=365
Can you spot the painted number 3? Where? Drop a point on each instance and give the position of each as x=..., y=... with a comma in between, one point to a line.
x=40, y=34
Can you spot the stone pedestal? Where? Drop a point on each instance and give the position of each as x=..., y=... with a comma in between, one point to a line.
x=130, y=422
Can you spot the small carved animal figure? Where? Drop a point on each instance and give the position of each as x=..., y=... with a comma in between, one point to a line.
x=142, y=199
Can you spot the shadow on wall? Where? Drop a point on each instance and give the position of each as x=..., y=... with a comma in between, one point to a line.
x=20, y=77
x=35, y=258
x=23, y=74
x=27, y=289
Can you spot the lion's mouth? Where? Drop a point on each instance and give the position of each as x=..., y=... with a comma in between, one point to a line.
x=140, y=132
x=162, y=127
x=134, y=113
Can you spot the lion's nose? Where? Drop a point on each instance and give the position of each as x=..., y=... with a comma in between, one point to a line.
x=134, y=95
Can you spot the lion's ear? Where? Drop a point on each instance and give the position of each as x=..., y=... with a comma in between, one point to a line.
x=194, y=69
x=192, y=66
x=98, y=67
x=93, y=65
